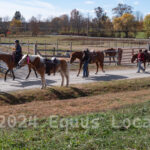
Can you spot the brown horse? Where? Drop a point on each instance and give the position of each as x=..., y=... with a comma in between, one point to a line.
x=146, y=58
x=10, y=62
x=39, y=64
x=96, y=57
x=112, y=53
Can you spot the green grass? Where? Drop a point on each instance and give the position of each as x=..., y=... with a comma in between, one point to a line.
x=140, y=35
x=70, y=137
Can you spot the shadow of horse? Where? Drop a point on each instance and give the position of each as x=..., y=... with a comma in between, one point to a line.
x=107, y=77
x=33, y=83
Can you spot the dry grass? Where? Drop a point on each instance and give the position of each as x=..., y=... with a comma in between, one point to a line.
x=77, y=106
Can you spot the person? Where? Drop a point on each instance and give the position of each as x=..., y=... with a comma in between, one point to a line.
x=86, y=60
x=140, y=59
x=17, y=54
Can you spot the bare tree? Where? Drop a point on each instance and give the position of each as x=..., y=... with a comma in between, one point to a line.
x=76, y=20
x=122, y=9
x=34, y=26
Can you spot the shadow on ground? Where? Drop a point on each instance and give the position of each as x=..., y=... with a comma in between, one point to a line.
x=106, y=77
x=27, y=83
x=13, y=100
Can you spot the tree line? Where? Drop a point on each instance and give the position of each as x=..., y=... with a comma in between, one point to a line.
x=124, y=23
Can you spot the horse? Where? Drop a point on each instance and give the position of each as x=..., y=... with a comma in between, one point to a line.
x=146, y=58
x=10, y=62
x=96, y=57
x=112, y=54
x=39, y=63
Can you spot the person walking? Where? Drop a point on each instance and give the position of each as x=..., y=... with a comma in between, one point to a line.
x=86, y=60
x=140, y=60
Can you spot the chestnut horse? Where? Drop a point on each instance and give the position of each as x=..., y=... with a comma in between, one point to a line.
x=10, y=62
x=39, y=63
x=96, y=57
x=146, y=58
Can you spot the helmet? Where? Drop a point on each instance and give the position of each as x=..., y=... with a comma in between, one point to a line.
x=16, y=41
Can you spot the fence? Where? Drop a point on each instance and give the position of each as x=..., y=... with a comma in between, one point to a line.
x=63, y=49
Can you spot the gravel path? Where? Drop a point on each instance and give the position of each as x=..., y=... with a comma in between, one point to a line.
x=20, y=83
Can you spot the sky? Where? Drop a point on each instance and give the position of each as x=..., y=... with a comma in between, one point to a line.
x=51, y=8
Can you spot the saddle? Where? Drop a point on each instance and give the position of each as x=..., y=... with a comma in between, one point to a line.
x=51, y=65
x=93, y=56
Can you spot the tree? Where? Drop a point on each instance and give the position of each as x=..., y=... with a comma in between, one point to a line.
x=125, y=23
x=16, y=23
x=17, y=15
x=64, y=23
x=147, y=25
x=122, y=9
x=100, y=20
x=76, y=20
x=34, y=27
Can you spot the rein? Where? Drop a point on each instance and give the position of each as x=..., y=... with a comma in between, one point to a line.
x=28, y=59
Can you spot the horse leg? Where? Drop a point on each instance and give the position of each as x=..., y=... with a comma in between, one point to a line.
x=6, y=74
x=43, y=82
x=109, y=60
x=80, y=66
x=96, y=67
x=35, y=73
x=114, y=60
x=102, y=66
x=29, y=72
x=13, y=75
x=62, y=76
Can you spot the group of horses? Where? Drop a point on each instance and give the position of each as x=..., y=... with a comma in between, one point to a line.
x=37, y=63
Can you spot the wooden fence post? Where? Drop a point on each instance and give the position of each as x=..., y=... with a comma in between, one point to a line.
x=35, y=49
x=70, y=46
x=28, y=46
x=132, y=52
x=54, y=51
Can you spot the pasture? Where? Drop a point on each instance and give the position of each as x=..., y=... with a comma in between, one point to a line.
x=106, y=102
x=87, y=112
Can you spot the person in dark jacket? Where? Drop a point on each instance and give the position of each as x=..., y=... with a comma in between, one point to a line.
x=18, y=52
x=140, y=59
x=86, y=60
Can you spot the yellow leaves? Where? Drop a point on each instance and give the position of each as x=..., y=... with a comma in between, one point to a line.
x=16, y=23
x=147, y=22
x=147, y=25
x=124, y=22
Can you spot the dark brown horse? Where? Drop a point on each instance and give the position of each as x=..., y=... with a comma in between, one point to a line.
x=146, y=58
x=96, y=57
x=10, y=62
x=112, y=53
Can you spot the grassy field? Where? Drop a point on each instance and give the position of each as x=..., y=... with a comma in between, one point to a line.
x=110, y=133
x=89, y=117
x=78, y=42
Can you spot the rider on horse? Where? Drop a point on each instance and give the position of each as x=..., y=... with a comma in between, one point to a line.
x=17, y=54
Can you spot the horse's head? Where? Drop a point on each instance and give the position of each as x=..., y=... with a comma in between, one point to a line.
x=134, y=57
x=25, y=60
x=76, y=55
x=73, y=57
